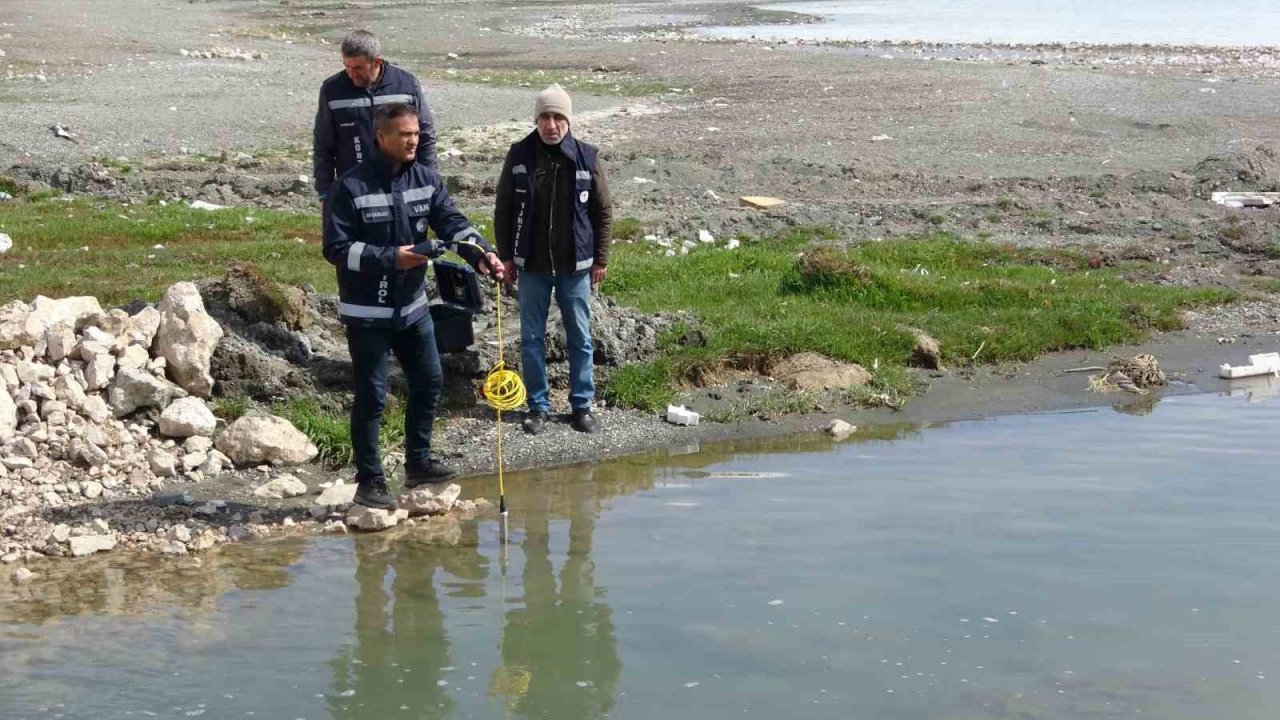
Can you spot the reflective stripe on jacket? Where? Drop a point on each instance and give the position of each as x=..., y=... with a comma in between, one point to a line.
x=343, y=134
x=369, y=214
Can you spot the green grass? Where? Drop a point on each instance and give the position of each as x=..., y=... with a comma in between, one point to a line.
x=328, y=425
x=802, y=292
x=1265, y=284
x=574, y=82
x=772, y=403
x=122, y=264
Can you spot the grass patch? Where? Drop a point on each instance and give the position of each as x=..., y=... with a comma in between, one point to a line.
x=628, y=229
x=802, y=291
x=772, y=403
x=580, y=82
x=121, y=262
x=108, y=250
x=328, y=424
x=641, y=385
x=1265, y=284
x=230, y=409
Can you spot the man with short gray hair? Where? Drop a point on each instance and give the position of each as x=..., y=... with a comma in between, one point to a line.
x=344, y=133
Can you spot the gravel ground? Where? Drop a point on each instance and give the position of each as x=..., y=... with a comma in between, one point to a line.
x=1111, y=151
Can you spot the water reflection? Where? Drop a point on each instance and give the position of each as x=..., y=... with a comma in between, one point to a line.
x=1255, y=389
x=131, y=584
x=401, y=647
x=559, y=655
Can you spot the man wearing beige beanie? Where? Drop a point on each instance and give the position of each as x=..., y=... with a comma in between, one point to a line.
x=553, y=222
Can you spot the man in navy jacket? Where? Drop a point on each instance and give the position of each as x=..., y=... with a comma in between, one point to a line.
x=348, y=100
x=378, y=216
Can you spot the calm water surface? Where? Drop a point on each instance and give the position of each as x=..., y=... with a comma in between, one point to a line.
x=1086, y=565
x=1178, y=22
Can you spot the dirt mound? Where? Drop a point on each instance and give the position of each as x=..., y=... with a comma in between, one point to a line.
x=811, y=371
x=1257, y=169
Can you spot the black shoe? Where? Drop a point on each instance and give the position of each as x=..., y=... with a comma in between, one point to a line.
x=535, y=421
x=374, y=494
x=433, y=472
x=584, y=421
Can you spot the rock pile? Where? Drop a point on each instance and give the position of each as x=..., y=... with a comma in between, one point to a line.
x=99, y=406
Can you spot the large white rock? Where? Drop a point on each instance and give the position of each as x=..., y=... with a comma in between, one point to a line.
x=839, y=429
x=424, y=500
x=115, y=321
x=364, y=518
x=187, y=416
x=143, y=326
x=8, y=415
x=284, y=486
x=99, y=368
x=90, y=544
x=9, y=375
x=60, y=341
x=135, y=389
x=186, y=338
x=13, y=325
x=134, y=357
x=69, y=391
x=162, y=463
x=95, y=408
x=265, y=438
x=47, y=312
x=337, y=495
x=32, y=371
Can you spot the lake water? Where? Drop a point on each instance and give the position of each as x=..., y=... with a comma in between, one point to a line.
x=1178, y=22
x=1081, y=565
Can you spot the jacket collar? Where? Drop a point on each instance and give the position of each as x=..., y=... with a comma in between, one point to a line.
x=382, y=165
x=568, y=146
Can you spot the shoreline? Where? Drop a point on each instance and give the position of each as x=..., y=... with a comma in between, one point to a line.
x=1110, y=163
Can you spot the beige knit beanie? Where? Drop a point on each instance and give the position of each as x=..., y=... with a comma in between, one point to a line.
x=554, y=99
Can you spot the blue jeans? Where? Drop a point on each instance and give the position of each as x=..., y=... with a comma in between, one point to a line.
x=573, y=293
x=415, y=348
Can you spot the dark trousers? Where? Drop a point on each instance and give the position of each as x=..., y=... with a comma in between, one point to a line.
x=415, y=348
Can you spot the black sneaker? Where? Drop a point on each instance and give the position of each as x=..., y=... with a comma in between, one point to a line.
x=433, y=472
x=374, y=494
x=535, y=421
x=584, y=421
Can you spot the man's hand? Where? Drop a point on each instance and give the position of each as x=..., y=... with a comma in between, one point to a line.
x=510, y=267
x=597, y=274
x=491, y=265
x=406, y=258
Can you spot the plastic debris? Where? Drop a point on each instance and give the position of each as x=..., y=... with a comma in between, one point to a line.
x=6, y=242
x=59, y=131
x=680, y=415
x=1245, y=199
x=760, y=202
x=202, y=205
x=1260, y=364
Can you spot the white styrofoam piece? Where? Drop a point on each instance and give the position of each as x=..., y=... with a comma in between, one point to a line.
x=1261, y=364
x=680, y=415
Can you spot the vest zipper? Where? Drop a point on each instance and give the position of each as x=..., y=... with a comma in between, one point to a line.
x=551, y=220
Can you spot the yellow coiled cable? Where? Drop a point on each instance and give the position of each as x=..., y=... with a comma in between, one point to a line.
x=504, y=391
